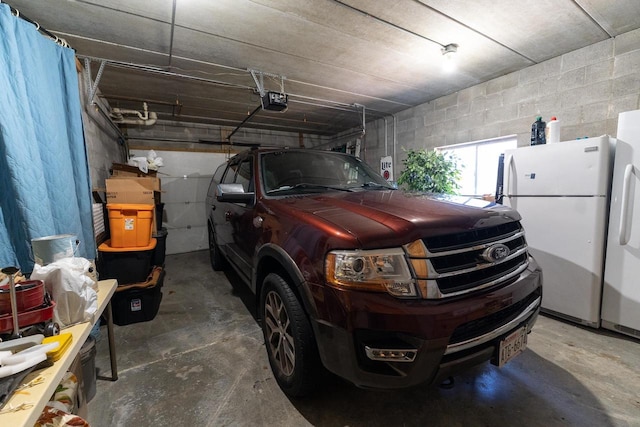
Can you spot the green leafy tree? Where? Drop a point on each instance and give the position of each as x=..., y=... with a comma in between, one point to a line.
x=430, y=171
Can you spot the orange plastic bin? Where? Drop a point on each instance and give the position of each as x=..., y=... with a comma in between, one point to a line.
x=130, y=224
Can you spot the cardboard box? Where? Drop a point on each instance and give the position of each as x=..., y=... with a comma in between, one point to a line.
x=133, y=190
x=122, y=170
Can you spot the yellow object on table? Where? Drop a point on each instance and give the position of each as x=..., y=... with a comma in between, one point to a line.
x=64, y=340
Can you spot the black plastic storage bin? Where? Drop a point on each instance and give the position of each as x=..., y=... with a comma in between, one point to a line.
x=139, y=302
x=126, y=265
x=161, y=247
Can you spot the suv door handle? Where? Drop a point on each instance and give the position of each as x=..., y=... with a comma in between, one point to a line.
x=227, y=215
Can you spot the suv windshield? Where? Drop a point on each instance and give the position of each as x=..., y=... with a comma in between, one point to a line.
x=313, y=171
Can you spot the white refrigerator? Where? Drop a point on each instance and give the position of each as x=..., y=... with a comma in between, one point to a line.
x=621, y=293
x=561, y=191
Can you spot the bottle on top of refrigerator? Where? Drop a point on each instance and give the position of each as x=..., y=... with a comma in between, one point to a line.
x=537, y=132
x=553, y=131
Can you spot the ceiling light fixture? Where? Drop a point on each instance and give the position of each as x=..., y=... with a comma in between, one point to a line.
x=448, y=50
x=449, y=54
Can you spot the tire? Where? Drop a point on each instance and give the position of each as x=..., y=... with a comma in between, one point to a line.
x=218, y=263
x=288, y=338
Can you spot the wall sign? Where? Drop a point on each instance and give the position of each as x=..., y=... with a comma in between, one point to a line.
x=386, y=168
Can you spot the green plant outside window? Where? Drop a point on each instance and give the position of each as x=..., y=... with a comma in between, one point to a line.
x=430, y=171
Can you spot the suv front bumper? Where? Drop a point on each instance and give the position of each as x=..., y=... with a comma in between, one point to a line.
x=449, y=336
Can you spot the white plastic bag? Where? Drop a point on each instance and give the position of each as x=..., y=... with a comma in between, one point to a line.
x=139, y=162
x=145, y=164
x=154, y=161
x=70, y=286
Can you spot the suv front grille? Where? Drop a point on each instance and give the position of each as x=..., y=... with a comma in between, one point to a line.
x=477, y=278
x=470, y=258
x=457, y=265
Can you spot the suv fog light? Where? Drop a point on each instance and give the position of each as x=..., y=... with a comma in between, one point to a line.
x=391, y=354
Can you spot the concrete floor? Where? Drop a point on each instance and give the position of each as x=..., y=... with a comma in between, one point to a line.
x=202, y=362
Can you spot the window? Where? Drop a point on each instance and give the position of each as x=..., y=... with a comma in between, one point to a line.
x=217, y=177
x=479, y=161
x=244, y=175
x=230, y=174
x=240, y=173
x=283, y=170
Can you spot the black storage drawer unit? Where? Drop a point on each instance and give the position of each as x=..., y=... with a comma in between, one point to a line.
x=161, y=247
x=159, y=218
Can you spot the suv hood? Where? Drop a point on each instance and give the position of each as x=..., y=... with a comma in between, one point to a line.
x=396, y=217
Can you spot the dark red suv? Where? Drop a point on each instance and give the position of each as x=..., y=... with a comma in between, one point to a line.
x=384, y=288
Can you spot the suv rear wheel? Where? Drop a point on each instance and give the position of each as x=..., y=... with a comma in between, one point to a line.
x=288, y=337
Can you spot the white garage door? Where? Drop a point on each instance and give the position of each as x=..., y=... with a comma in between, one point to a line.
x=185, y=179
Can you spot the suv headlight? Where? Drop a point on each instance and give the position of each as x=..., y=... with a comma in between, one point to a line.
x=382, y=270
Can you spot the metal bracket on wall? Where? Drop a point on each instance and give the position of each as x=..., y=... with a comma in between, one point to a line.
x=92, y=88
x=357, y=106
x=91, y=94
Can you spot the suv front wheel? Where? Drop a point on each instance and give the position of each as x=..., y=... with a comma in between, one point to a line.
x=288, y=337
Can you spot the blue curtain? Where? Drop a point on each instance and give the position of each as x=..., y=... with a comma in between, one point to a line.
x=45, y=187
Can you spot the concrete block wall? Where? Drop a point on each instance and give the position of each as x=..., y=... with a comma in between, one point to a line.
x=585, y=89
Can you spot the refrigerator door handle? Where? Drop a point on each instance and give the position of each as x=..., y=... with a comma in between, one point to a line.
x=508, y=166
x=626, y=184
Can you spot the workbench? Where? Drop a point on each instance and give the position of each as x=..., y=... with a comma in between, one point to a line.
x=34, y=399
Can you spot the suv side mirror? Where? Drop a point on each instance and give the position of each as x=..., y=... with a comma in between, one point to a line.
x=234, y=193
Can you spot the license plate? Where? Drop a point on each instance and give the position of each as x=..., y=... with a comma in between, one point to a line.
x=512, y=345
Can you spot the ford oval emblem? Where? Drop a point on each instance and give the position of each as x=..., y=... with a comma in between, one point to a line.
x=495, y=253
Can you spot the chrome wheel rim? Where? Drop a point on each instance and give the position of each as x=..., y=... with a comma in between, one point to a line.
x=278, y=333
